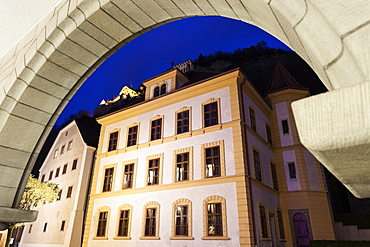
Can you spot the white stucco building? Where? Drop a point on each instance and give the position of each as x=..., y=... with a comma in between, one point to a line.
x=205, y=162
x=68, y=164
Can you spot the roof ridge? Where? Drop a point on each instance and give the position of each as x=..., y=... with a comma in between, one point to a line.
x=281, y=79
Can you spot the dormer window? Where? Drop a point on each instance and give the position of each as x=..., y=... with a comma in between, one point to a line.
x=160, y=90
x=156, y=91
x=163, y=88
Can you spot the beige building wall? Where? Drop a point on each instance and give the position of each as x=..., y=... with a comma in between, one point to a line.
x=197, y=189
x=238, y=184
x=306, y=193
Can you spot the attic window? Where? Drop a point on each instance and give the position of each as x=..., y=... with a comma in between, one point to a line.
x=156, y=91
x=160, y=90
x=163, y=89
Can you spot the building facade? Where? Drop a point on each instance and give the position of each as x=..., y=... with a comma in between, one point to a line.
x=68, y=164
x=205, y=162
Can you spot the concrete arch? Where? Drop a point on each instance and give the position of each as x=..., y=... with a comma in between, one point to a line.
x=43, y=71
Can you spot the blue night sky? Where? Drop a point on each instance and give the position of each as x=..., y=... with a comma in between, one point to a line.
x=152, y=53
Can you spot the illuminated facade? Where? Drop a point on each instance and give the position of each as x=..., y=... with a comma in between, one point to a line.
x=68, y=164
x=206, y=162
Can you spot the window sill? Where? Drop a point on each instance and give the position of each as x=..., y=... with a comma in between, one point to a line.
x=108, y=191
x=215, y=238
x=112, y=152
x=212, y=128
x=215, y=176
x=100, y=238
x=183, y=135
x=265, y=239
x=155, y=142
x=131, y=148
x=181, y=238
x=149, y=238
x=122, y=238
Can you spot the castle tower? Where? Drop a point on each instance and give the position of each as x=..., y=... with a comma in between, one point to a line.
x=303, y=194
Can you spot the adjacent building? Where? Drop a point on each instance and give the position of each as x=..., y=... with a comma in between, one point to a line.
x=68, y=164
x=202, y=159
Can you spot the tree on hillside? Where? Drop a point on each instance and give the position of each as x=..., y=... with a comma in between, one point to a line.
x=258, y=62
x=35, y=194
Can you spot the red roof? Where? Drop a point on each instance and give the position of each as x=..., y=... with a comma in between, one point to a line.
x=281, y=79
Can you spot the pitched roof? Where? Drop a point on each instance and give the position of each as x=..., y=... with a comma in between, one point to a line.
x=89, y=129
x=281, y=79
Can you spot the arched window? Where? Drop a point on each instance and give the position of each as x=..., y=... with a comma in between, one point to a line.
x=214, y=217
x=102, y=223
x=124, y=222
x=181, y=221
x=163, y=88
x=156, y=91
x=150, y=228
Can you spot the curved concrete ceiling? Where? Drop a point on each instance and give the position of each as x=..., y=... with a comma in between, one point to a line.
x=41, y=73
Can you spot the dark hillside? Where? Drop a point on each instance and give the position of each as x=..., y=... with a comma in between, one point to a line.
x=258, y=62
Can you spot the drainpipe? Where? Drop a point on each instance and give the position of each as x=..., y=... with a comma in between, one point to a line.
x=248, y=164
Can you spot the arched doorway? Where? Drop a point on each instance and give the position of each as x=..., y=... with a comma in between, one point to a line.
x=302, y=233
x=300, y=227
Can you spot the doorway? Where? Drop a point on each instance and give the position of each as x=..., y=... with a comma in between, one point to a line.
x=301, y=229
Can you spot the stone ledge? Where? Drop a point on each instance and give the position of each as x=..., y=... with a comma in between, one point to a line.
x=12, y=215
x=335, y=128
